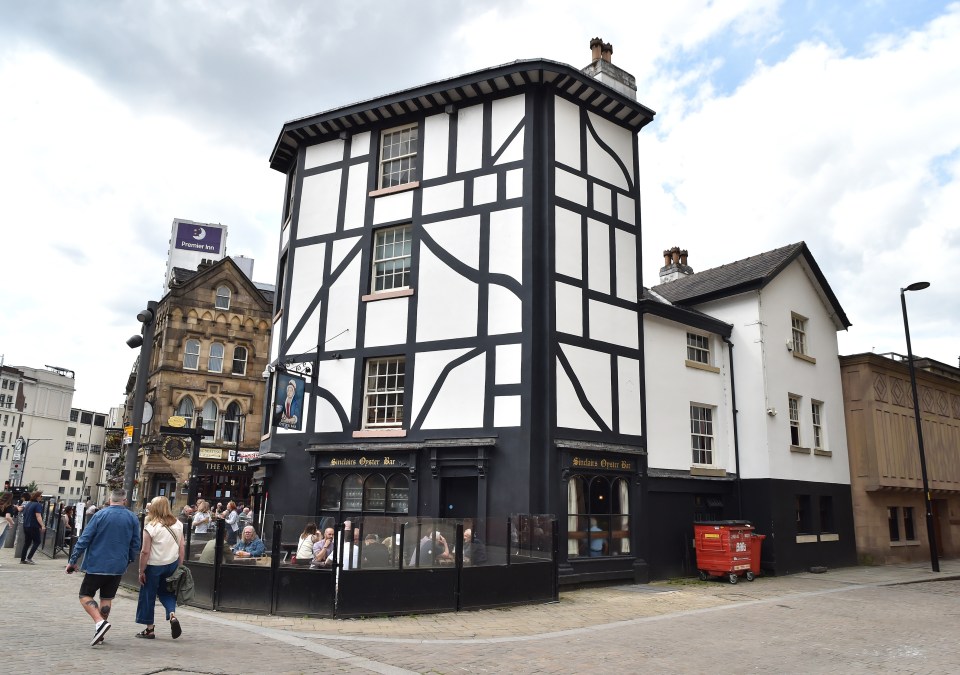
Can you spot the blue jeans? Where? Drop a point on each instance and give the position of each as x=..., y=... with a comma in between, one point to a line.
x=155, y=587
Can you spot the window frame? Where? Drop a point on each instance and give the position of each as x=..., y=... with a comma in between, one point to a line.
x=187, y=353
x=232, y=424
x=206, y=422
x=243, y=361
x=909, y=525
x=793, y=408
x=370, y=397
x=702, y=351
x=375, y=262
x=816, y=417
x=218, y=296
x=798, y=333
x=412, y=170
x=893, y=523
x=702, y=435
x=193, y=410
x=211, y=358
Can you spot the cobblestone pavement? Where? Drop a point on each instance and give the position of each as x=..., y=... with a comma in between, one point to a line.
x=863, y=619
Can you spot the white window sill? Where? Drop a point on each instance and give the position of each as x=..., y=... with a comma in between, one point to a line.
x=912, y=542
x=701, y=366
x=830, y=537
x=806, y=538
x=380, y=433
x=386, y=295
x=393, y=189
x=820, y=452
x=798, y=449
x=704, y=470
x=804, y=357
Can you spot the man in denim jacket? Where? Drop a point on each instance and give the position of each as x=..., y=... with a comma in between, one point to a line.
x=111, y=541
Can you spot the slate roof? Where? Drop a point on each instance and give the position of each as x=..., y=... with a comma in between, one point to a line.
x=749, y=274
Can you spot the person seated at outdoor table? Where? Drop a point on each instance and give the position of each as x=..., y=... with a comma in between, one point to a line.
x=249, y=545
x=308, y=538
x=323, y=550
x=207, y=555
x=374, y=554
x=474, y=552
x=433, y=551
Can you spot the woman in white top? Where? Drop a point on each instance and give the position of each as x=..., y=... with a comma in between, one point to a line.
x=232, y=519
x=160, y=555
x=305, y=546
x=201, y=519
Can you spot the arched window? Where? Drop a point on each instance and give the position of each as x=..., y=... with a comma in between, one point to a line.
x=215, y=364
x=239, y=360
x=398, y=494
x=223, y=297
x=353, y=493
x=231, y=423
x=598, y=516
x=185, y=410
x=374, y=493
x=191, y=354
x=209, y=414
x=330, y=493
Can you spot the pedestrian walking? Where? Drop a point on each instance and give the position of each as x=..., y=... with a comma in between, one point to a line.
x=109, y=542
x=33, y=528
x=161, y=553
x=8, y=513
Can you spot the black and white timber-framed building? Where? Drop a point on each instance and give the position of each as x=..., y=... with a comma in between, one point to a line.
x=457, y=318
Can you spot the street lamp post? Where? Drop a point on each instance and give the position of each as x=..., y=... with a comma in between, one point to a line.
x=145, y=342
x=931, y=534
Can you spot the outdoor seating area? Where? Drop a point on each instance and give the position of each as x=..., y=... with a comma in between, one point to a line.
x=374, y=566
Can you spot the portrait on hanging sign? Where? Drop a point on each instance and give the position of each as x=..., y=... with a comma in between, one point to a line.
x=288, y=402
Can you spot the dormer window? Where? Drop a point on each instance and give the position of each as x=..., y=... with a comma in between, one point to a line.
x=223, y=297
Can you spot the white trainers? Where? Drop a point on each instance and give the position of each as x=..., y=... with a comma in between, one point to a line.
x=101, y=630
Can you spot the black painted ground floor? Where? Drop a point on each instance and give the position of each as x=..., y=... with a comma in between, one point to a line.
x=618, y=520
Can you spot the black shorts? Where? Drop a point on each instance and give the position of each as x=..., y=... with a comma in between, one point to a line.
x=107, y=584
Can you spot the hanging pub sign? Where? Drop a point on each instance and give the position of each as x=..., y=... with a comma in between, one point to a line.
x=288, y=402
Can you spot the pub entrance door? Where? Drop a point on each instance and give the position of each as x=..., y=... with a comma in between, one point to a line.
x=458, y=497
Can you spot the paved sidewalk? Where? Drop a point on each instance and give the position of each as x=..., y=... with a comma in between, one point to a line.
x=44, y=598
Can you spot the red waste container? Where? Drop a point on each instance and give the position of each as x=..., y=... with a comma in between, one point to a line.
x=727, y=548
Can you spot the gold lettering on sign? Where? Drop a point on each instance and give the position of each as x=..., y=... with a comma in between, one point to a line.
x=611, y=464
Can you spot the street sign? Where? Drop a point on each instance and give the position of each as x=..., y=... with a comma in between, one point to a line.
x=19, y=447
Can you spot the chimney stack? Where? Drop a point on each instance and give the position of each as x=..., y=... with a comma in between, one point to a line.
x=675, y=265
x=601, y=68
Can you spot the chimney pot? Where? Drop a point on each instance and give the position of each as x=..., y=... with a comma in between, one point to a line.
x=606, y=52
x=666, y=258
x=675, y=254
x=683, y=256
x=595, y=45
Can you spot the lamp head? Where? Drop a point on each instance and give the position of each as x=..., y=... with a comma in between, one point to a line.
x=134, y=341
x=916, y=286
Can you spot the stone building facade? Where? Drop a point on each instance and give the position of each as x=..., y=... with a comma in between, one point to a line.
x=885, y=475
x=211, y=344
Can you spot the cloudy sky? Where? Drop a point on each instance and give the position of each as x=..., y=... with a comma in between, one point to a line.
x=837, y=123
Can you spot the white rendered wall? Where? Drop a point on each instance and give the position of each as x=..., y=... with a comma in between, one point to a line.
x=767, y=372
x=672, y=387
